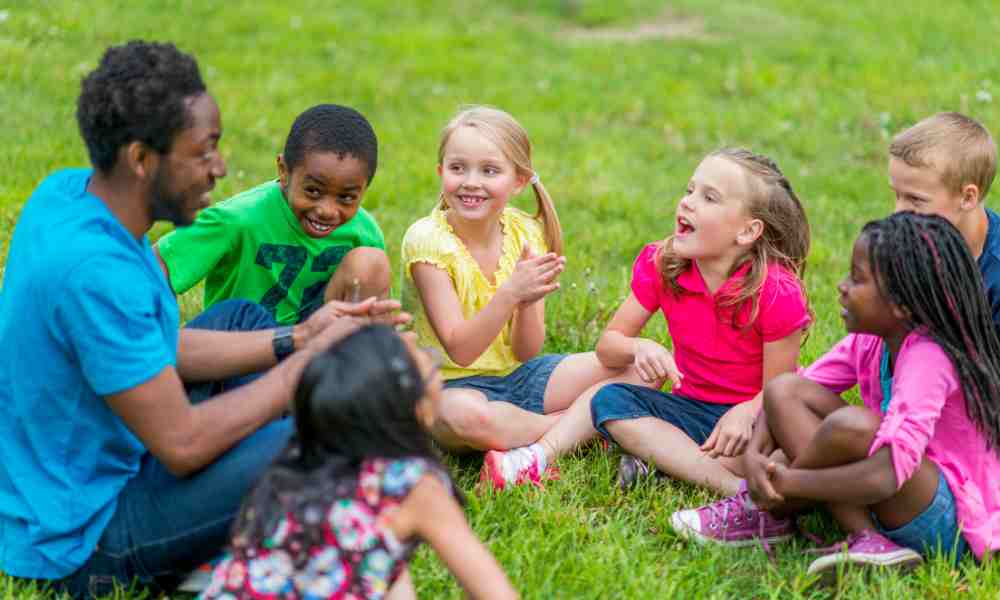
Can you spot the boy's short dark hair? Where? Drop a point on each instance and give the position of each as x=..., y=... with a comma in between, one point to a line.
x=332, y=128
x=960, y=148
x=136, y=93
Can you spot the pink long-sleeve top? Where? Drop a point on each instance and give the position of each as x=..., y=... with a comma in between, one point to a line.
x=926, y=415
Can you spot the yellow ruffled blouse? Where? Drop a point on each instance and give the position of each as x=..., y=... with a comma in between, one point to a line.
x=432, y=240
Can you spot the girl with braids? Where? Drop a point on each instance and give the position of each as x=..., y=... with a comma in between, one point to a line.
x=916, y=469
x=728, y=283
x=341, y=511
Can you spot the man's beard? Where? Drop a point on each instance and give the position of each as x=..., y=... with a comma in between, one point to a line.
x=165, y=205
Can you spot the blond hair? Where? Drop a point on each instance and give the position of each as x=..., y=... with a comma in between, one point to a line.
x=784, y=240
x=960, y=147
x=508, y=135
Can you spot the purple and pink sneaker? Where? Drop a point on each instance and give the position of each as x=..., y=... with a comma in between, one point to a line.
x=733, y=521
x=867, y=548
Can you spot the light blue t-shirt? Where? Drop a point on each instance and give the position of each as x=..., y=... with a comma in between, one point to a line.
x=85, y=312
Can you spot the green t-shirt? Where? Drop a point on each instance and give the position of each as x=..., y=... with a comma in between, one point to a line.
x=252, y=247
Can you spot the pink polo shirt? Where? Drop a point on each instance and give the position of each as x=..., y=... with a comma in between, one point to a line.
x=722, y=364
x=926, y=416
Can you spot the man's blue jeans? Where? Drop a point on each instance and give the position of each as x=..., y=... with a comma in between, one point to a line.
x=165, y=526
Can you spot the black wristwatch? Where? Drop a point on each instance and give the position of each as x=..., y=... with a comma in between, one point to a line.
x=283, y=342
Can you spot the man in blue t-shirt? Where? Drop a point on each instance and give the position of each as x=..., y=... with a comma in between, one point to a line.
x=944, y=165
x=110, y=468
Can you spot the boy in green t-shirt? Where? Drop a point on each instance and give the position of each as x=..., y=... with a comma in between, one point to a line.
x=294, y=243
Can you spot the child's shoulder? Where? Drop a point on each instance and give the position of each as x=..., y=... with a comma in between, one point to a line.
x=397, y=476
x=252, y=205
x=781, y=281
x=431, y=230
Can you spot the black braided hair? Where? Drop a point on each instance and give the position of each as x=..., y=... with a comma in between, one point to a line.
x=332, y=128
x=923, y=265
x=136, y=93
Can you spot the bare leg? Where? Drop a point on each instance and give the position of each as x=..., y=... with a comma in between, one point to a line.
x=468, y=421
x=673, y=452
x=402, y=589
x=795, y=409
x=576, y=425
x=369, y=267
x=843, y=436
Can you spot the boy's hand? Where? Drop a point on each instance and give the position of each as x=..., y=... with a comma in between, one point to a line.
x=654, y=363
x=534, y=277
x=732, y=433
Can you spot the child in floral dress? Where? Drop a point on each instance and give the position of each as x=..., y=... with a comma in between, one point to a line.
x=341, y=512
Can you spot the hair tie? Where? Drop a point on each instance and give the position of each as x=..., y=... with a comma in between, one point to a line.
x=534, y=179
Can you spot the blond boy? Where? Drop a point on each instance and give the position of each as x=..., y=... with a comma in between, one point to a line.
x=944, y=165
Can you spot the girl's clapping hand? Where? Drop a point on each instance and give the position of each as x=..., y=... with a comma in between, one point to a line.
x=534, y=277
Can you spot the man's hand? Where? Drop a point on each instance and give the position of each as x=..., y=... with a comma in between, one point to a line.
x=370, y=310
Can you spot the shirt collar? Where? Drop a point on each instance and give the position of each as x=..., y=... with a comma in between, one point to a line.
x=692, y=281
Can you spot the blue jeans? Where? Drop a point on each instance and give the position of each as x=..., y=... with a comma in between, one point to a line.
x=165, y=526
x=524, y=387
x=623, y=402
x=933, y=531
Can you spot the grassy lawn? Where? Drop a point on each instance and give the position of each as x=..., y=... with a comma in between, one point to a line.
x=621, y=99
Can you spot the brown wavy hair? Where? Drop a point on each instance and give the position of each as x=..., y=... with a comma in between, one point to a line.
x=784, y=241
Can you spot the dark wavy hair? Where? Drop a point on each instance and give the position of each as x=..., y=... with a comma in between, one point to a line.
x=923, y=265
x=332, y=128
x=356, y=400
x=136, y=93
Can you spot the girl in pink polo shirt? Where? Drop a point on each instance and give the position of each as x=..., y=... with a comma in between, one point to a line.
x=728, y=283
x=917, y=468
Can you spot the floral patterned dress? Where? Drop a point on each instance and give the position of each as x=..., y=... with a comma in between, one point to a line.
x=358, y=559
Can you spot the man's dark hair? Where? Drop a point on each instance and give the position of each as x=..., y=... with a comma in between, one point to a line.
x=332, y=128
x=136, y=93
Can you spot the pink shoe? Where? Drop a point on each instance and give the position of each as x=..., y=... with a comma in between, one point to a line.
x=734, y=521
x=513, y=467
x=867, y=547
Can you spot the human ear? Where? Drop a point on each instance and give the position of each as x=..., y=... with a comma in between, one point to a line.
x=752, y=231
x=140, y=159
x=970, y=196
x=283, y=174
x=899, y=312
x=440, y=170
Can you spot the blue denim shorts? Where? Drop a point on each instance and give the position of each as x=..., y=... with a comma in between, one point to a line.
x=623, y=401
x=934, y=530
x=524, y=388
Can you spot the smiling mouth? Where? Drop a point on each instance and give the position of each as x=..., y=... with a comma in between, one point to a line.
x=471, y=201
x=684, y=226
x=319, y=226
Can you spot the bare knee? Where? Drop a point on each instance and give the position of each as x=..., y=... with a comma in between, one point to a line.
x=367, y=266
x=781, y=390
x=468, y=420
x=851, y=428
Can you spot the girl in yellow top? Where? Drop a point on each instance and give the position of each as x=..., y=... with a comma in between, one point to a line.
x=481, y=270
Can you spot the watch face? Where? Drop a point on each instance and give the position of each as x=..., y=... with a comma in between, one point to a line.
x=283, y=342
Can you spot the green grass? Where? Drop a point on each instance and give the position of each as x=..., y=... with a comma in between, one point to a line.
x=618, y=123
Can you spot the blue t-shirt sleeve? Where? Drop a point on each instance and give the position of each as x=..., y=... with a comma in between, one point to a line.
x=108, y=319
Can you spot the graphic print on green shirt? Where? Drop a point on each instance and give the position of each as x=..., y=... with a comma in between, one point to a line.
x=251, y=246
